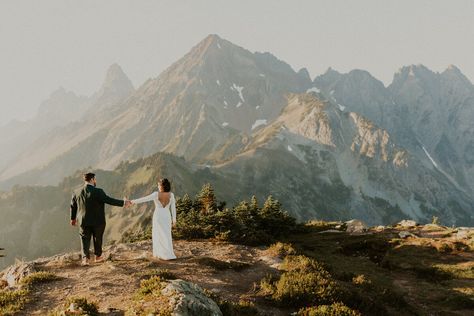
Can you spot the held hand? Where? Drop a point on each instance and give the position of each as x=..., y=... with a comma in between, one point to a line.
x=73, y=222
x=127, y=202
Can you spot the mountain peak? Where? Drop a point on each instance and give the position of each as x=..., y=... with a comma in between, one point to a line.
x=453, y=72
x=116, y=81
x=116, y=75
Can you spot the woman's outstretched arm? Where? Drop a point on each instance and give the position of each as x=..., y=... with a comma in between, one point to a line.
x=147, y=198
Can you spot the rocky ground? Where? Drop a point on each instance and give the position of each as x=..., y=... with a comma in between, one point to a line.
x=431, y=267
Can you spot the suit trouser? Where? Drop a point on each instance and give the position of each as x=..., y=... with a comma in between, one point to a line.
x=97, y=233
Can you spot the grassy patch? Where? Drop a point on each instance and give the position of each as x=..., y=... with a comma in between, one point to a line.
x=281, y=250
x=303, y=263
x=229, y=308
x=458, y=301
x=151, y=286
x=39, y=277
x=12, y=302
x=221, y=265
x=335, y=309
x=82, y=304
x=431, y=274
x=148, y=298
x=161, y=273
x=305, y=282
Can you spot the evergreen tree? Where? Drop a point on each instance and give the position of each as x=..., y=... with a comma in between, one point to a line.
x=254, y=204
x=206, y=199
x=184, y=204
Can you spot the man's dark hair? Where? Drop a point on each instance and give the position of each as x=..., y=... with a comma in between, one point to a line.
x=89, y=176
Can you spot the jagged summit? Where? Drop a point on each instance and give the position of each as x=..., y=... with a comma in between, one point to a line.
x=116, y=80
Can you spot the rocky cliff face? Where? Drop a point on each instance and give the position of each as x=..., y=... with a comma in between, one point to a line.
x=319, y=157
x=429, y=113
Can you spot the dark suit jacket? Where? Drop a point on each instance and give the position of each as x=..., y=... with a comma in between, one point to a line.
x=88, y=206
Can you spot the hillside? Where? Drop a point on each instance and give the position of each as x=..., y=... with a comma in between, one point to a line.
x=374, y=272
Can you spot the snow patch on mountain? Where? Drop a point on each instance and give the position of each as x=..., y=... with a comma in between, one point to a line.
x=313, y=89
x=259, y=123
x=239, y=91
x=429, y=156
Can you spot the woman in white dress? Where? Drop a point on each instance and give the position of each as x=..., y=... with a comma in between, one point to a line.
x=164, y=217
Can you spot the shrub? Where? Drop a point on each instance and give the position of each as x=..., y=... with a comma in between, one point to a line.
x=242, y=308
x=161, y=273
x=222, y=265
x=335, y=309
x=361, y=280
x=298, y=288
x=304, y=264
x=229, y=308
x=281, y=250
x=151, y=286
x=267, y=285
x=12, y=302
x=87, y=308
x=459, y=301
x=431, y=274
x=39, y=277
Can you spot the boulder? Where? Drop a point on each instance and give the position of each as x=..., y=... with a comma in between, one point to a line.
x=355, y=226
x=463, y=234
x=407, y=223
x=379, y=228
x=187, y=299
x=15, y=273
x=330, y=231
x=405, y=234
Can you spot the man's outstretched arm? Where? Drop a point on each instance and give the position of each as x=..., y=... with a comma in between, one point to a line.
x=109, y=200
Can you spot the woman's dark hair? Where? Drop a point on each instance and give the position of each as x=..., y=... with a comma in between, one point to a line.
x=165, y=184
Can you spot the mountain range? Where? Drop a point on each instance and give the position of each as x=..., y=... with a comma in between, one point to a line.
x=340, y=146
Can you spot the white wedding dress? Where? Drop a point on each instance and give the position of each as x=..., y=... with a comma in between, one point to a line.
x=163, y=217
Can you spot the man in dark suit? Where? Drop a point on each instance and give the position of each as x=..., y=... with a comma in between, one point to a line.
x=88, y=210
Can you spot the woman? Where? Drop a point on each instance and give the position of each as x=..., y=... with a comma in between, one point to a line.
x=163, y=218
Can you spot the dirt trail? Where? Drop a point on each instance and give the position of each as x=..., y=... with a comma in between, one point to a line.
x=112, y=284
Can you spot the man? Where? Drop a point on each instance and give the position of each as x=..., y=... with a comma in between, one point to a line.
x=88, y=210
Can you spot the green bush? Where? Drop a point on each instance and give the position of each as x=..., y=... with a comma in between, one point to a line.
x=151, y=286
x=281, y=250
x=305, y=282
x=162, y=273
x=87, y=308
x=12, y=302
x=229, y=308
x=39, y=277
x=222, y=265
x=298, y=288
x=335, y=309
x=304, y=264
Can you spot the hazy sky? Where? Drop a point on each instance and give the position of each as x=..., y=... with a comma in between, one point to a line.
x=50, y=43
